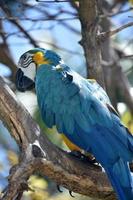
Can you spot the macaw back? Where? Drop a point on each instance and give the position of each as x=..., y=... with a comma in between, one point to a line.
x=69, y=101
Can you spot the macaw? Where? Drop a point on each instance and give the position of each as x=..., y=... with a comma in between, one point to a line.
x=81, y=110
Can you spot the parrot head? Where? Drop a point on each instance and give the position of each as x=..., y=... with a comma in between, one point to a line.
x=28, y=64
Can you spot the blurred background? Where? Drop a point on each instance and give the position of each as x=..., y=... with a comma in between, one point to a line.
x=25, y=24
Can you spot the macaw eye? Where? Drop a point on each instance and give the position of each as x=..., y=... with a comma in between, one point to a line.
x=25, y=60
x=25, y=57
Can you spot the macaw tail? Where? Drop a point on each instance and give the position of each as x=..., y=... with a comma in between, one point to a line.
x=121, y=180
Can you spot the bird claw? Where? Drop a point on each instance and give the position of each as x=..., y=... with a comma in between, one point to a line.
x=76, y=153
x=58, y=188
x=70, y=192
x=83, y=157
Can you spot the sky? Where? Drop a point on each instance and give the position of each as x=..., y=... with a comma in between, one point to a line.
x=58, y=34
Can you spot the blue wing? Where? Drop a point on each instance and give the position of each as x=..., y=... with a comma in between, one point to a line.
x=78, y=108
x=82, y=111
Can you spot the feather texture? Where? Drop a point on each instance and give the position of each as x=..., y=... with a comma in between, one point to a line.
x=81, y=109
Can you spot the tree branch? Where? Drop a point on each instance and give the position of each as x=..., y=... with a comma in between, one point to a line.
x=56, y=1
x=104, y=35
x=88, y=15
x=5, y=54
x=119, y=12
x=39, y=154
x=17, y=24
x=127, y=56
x=38, y=19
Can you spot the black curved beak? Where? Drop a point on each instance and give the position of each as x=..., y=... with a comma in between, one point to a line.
x=22, y=82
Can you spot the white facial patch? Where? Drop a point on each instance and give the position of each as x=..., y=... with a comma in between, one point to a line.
x=30, y=71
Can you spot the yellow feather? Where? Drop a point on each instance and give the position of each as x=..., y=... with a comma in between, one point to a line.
x=39, y=58
x=69, y=144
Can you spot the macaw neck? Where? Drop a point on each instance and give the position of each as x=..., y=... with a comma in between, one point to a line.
x=43, y=71
x=49, y=68
x=46, y=73
x=47, y=79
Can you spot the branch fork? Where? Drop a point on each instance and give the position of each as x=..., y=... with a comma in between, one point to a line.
x=104, y=35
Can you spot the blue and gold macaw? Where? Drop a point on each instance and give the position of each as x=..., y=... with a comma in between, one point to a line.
x=81, y=110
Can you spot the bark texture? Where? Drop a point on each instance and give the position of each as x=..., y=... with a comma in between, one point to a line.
x=98, y=50
x=89, y=17
x=39, y=154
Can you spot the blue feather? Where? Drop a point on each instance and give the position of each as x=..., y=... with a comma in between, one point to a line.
x=79, y=109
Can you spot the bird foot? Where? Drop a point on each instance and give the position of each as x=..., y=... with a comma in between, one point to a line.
x=70, y=192
x=59, y=189
x=83, y=157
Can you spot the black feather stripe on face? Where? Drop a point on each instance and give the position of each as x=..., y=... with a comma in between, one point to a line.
x=26, y=64
x=25, y=60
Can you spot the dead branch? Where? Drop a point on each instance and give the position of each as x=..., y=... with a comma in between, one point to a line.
x=39, y=154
